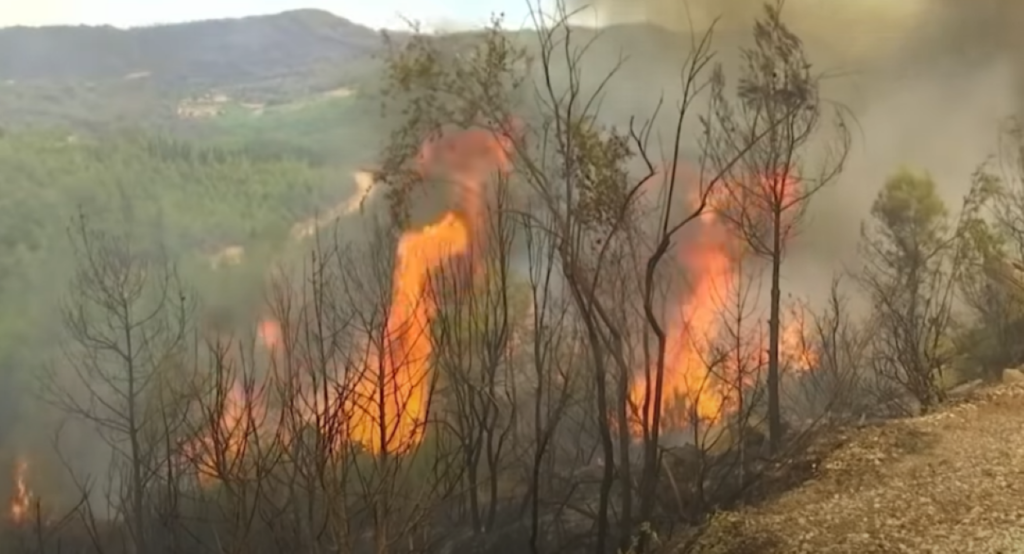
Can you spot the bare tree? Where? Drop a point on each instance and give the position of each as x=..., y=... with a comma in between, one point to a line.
x=840, y=387
x=312, y=386
x=232, y=446
x=553, y=341
x=737, y=374
x=770, y=189
x=127, y=320
x=473, y=339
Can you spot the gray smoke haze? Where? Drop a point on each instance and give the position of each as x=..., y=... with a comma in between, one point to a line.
x=929, y=82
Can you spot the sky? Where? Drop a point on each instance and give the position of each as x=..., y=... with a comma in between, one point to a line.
x=373, y=13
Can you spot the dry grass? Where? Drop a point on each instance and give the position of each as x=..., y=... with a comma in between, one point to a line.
x=950, y=482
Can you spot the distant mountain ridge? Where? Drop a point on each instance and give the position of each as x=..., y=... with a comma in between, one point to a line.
x=203, y=53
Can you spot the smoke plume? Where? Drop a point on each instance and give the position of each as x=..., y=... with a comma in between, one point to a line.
x=928, y=82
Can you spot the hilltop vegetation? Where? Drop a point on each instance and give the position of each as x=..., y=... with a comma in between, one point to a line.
x=188, y=56
x=96, y=77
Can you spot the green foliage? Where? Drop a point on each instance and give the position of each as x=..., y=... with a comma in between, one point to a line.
x=912, y=262
x=189, y=200
x=434, y=85
x=340, y=131
x=910, y=216
x=777, y=80
x=599, y=160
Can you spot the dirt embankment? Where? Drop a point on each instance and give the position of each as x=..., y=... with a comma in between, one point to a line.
x=949, y=482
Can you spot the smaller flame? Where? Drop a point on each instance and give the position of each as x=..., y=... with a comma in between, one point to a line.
x=270, y=334
x=21, y=499
x=795, y=348
x=225, y=446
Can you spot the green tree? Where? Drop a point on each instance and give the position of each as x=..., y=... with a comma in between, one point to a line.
x=913, y=253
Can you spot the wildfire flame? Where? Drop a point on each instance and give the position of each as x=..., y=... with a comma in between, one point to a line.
x=390, y=402
x=692, y=386
x=21, y=498
x=269, y=333
x=240, y=413
x=386, y=408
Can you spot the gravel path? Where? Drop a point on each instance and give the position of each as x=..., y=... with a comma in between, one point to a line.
x=951, y=482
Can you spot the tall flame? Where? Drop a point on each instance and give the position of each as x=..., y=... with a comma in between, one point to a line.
x=389, y=404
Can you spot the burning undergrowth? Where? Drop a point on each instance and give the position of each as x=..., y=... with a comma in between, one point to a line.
x=373, y=372
x=376, y=390
x=383, y=393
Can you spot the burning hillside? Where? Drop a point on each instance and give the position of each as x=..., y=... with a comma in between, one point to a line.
x=388, y=397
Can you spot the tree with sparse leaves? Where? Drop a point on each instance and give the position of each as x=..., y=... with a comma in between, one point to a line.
x=127, y=321
x=992, y=284
x=769, y=190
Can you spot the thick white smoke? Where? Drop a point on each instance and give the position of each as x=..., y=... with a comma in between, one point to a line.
x=928, y=82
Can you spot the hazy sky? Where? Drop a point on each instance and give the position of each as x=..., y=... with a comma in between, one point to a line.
x=375, y=13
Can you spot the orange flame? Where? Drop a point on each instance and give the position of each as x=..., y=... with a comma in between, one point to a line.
x=465, y=160
x=691, y=387
x=269, y=333
x=387, y=406
x=223, y=448
x=390, y=404
x=21, y=499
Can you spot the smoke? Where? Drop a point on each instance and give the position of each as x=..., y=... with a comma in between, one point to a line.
x=927, y=81
x=821, y=17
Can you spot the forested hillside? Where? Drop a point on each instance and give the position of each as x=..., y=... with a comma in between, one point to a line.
x=193, y=201
x=202, y=136
x=95, y=77
x=204, y=54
